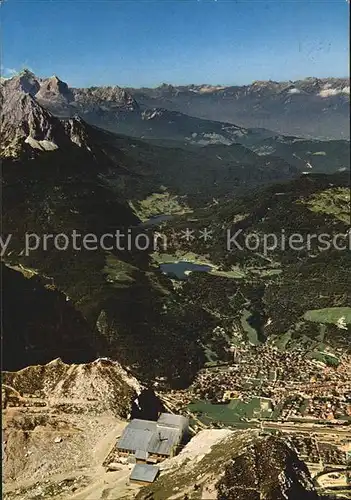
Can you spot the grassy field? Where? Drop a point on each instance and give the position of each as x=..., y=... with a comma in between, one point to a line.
x=235, y=272
x=159, y=203
x=329, y=315
x=334, y=201
x=117, y=272
x=325, y=357
x=234, y=412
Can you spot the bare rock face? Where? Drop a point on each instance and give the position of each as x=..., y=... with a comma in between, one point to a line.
x=25, y=125
x=59, y=423
x=268, y=469
x=97, y=387
x=28, y=125
x=229, y=465
x=26, y=81
x=104, y=98
x=54, y=88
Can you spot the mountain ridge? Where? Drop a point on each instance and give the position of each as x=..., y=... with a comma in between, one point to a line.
x=290, y=108
x=253, y=106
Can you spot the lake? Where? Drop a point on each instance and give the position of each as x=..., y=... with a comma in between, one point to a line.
x=180, y=270
x=156, y=220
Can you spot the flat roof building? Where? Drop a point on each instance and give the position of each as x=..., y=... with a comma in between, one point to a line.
x=151, y=441
x=144, y=473
x=171, y=420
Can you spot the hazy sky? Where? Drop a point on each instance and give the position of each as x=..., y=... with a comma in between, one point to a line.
x=147, y=42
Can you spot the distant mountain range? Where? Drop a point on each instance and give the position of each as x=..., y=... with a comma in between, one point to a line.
x=115, y=109
x=311, y=108
x=45, y=114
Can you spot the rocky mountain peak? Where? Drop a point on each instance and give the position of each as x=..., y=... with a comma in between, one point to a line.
x=230, y=465
x=103, y=381
x=108, y=96
x=26, y=124
x=53, y=88
x=26, y=81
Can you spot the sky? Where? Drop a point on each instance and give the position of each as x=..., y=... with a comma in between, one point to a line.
x=148, y=42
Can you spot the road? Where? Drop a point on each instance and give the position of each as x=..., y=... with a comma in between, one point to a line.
x=308, y=429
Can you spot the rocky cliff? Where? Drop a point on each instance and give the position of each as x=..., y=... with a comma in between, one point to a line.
x=226, y=465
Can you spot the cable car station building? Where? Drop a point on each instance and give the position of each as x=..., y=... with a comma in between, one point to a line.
x=150, y=442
